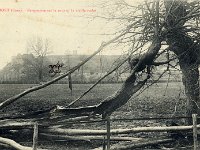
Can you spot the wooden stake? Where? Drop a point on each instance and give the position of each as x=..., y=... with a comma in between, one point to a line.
x=35, y=136
x=104, y=143
x=104, y=138
x=108, y=133
x=194, y=119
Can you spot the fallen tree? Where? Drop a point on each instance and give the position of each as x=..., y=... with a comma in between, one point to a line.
x=110, y=104
x=157, y=29
x=142, y=63
x=132, y=84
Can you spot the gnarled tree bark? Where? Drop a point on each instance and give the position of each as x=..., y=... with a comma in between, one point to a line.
x=190, y=77
x=186, y=50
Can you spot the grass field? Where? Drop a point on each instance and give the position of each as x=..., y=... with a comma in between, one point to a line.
x=158, y=100
x=153, y=99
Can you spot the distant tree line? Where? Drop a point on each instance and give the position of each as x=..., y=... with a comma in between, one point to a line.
x=23, y=70
x=37, y=66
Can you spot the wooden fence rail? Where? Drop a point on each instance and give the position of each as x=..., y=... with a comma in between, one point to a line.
x=108, y=133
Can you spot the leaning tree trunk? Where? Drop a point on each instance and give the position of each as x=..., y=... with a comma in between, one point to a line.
x=129, y=87
x=121, y=97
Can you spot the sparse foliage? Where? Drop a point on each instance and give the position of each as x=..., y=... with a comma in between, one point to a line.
x=168, y=28
x=39, y=48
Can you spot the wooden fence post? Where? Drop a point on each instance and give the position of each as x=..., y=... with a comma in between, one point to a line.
x=194, y=119
x=104, y=143
x=108, y=133
x=35, y=136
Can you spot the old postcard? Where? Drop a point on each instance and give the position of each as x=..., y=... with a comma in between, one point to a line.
x=99, y=74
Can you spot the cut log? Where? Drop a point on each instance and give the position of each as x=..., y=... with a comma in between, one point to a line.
x=22, y=125
x=15, y=125
x=61, y=137
x=12, y=124
x=130, y=146
x=85, y=138
x=115, y=131
x=62, y=120
x=133, y=145
x=14, y=144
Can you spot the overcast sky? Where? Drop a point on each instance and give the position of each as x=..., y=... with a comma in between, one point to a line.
x=66, y=30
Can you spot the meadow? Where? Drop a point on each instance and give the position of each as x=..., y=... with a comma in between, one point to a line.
x=153, y=99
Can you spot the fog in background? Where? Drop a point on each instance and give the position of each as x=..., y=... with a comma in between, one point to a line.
x=67, y=31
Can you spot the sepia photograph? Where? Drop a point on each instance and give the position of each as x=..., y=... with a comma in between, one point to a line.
x=99, y=75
